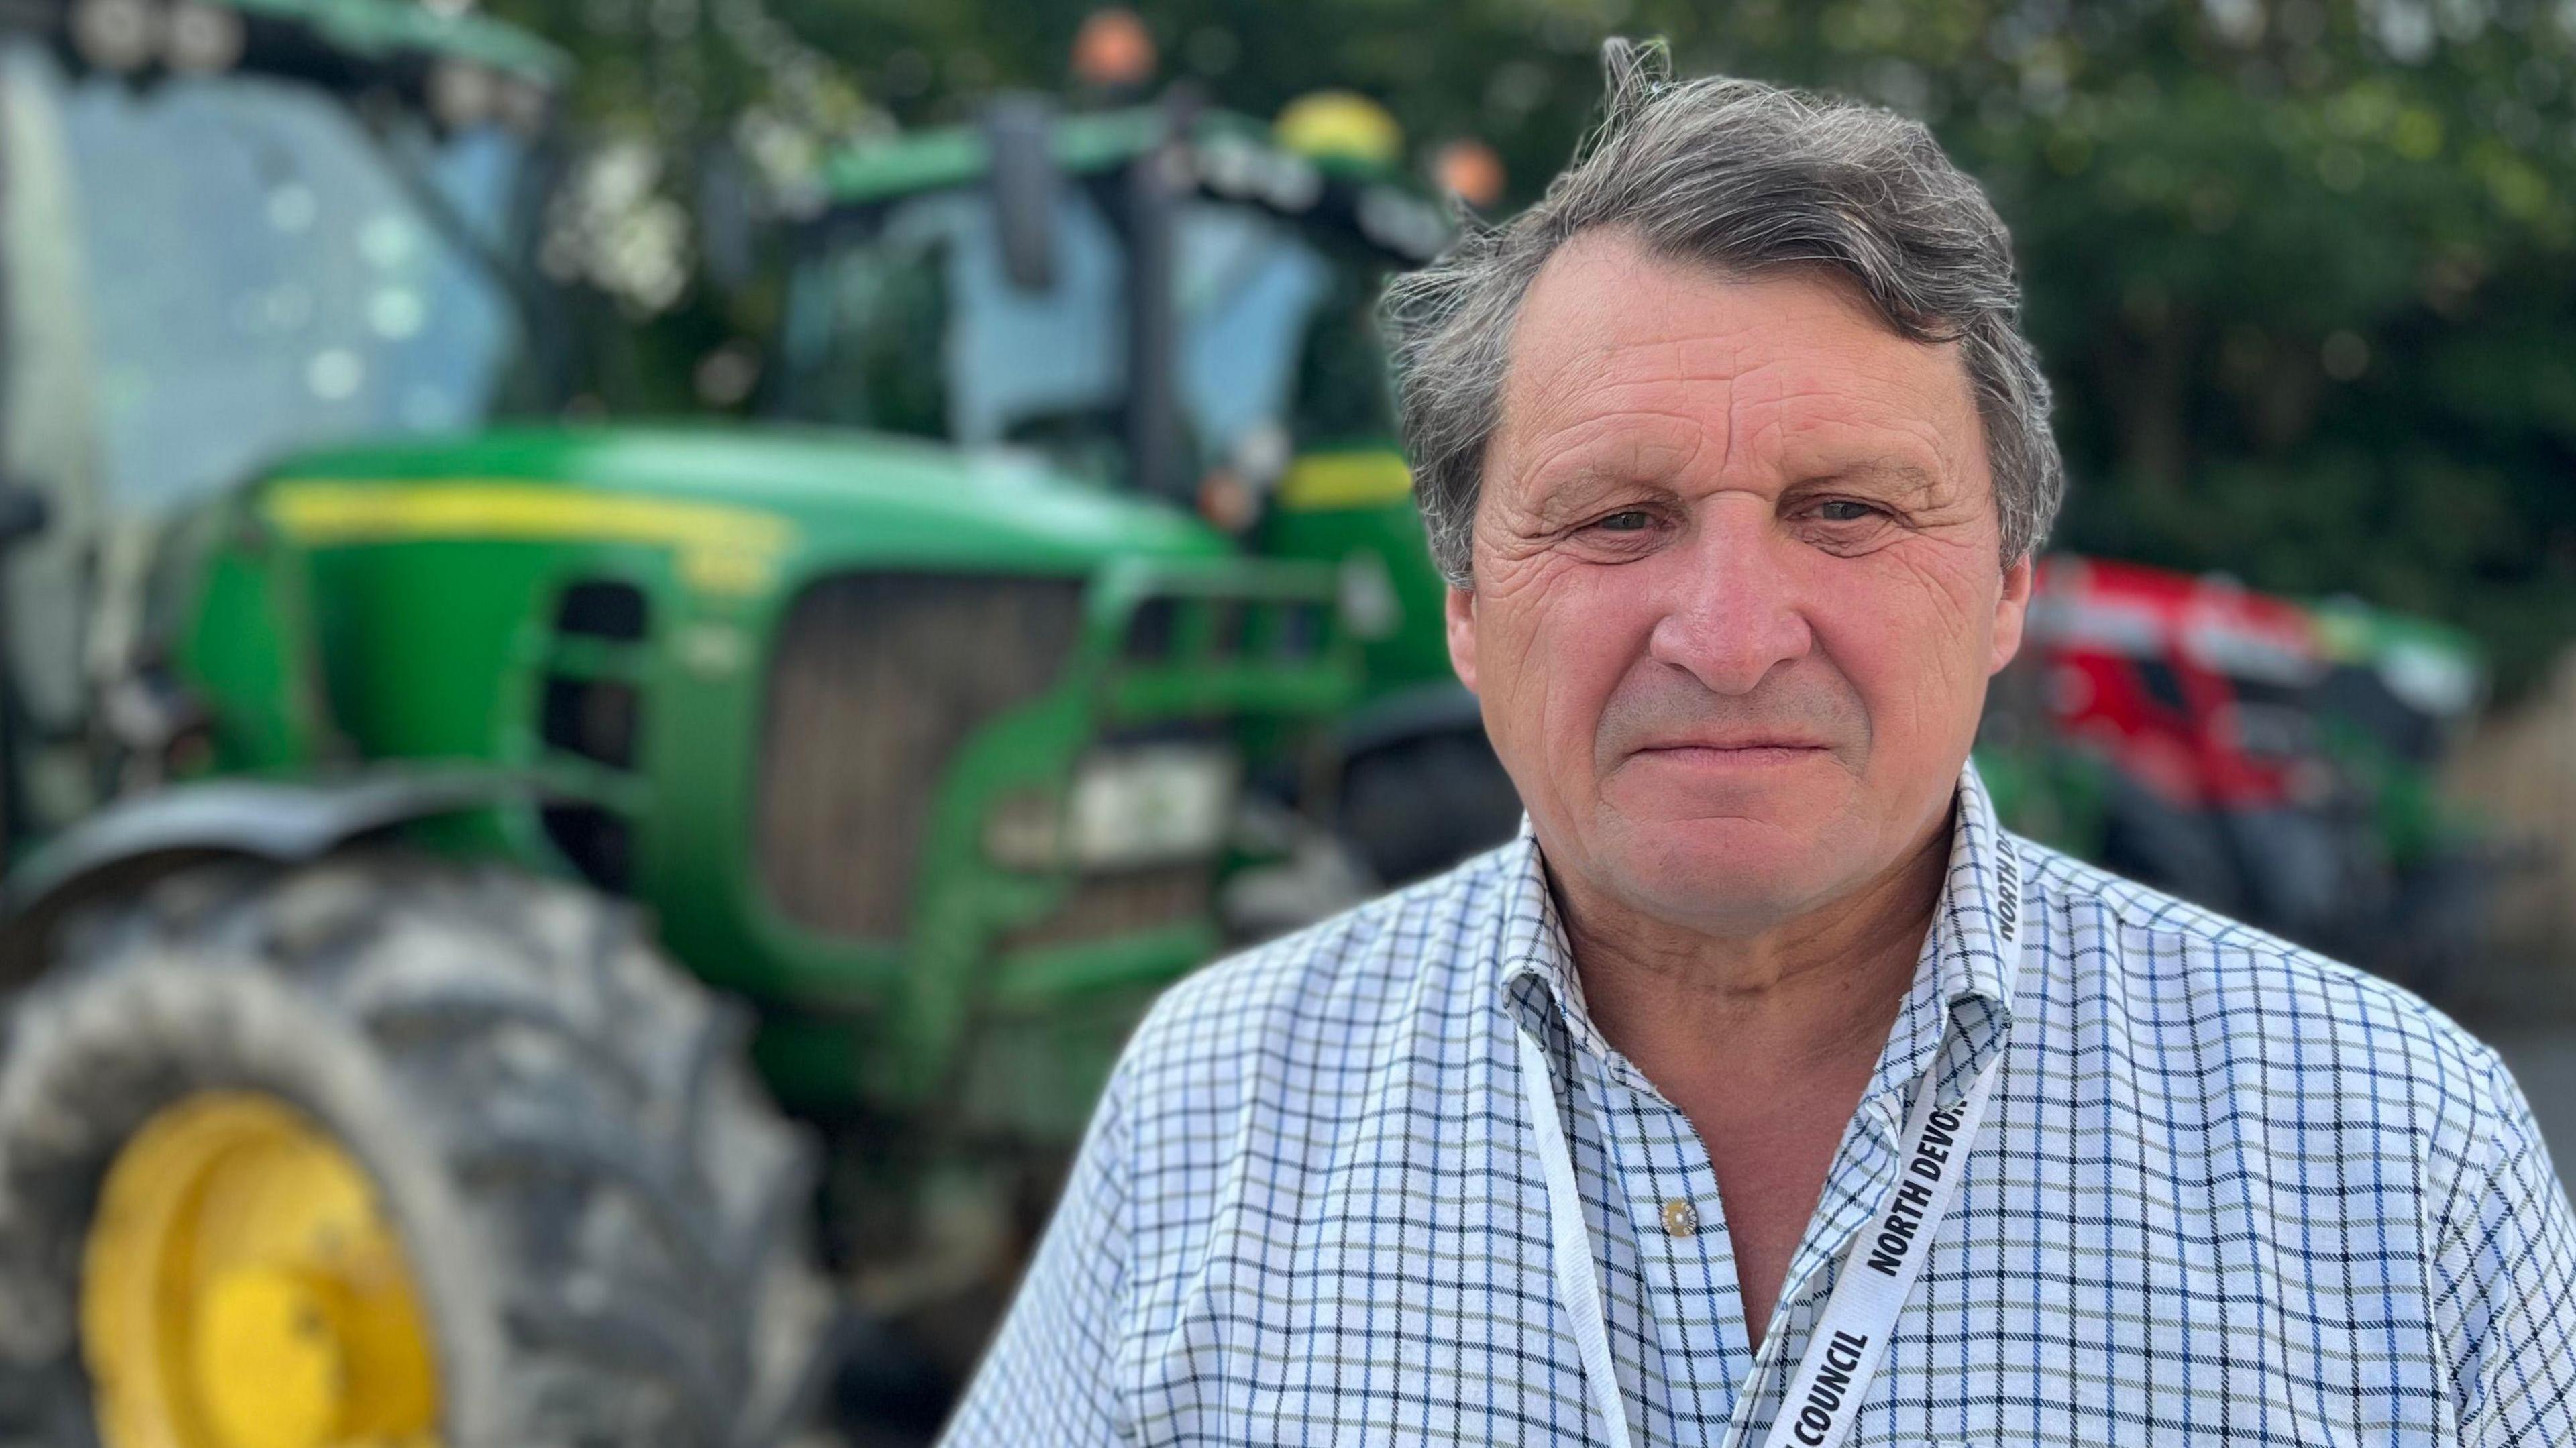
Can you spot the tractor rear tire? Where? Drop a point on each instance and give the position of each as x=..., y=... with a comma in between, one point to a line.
x=604, y=1220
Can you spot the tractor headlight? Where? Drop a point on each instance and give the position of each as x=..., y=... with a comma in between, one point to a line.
x=1129, y=807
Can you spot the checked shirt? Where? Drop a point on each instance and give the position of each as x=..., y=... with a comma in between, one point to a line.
x=2226, y=1192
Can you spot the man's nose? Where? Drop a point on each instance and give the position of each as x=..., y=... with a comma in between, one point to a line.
x=1732, y=606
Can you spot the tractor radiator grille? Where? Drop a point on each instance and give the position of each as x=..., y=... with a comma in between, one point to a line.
x=1104, y=907
x=876, y=681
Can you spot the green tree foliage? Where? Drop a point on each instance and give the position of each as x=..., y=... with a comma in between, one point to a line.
x=2301, y=269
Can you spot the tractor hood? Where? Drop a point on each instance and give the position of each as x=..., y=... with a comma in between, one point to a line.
x=852, y=498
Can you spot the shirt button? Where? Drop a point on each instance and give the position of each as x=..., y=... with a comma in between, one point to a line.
x=1680, y=1217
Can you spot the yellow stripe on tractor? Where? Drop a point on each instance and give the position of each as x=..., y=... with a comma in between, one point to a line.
x=721, y=548
x=1319, y=482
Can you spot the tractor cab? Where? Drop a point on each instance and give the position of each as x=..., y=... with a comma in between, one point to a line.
x=228, y=234
x=1178, y=303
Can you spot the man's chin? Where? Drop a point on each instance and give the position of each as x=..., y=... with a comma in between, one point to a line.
x=1703, y=818
x=1722, y=869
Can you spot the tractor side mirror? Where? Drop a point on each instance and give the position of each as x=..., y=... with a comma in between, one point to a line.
x=1018, y=128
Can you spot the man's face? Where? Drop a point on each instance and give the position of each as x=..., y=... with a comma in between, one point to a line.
x=1737, y=591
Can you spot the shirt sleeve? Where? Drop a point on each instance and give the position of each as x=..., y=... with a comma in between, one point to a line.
x=2506, y=1285
x=1051, y=1374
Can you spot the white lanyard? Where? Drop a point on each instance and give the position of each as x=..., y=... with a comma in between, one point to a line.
x=1574, y=1284
x=1851, y=1337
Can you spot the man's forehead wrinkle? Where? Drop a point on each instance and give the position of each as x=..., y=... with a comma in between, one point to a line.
x=1613, y=379
x=1640, y=445
x=1776, y=405
x=1585, y=398
x=1893, y=396
x=1672, y=355
x=1542, y=405
x=1562, y=326
x=1825, y=441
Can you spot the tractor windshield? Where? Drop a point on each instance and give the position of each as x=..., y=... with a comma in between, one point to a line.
x=208, y=271
x=906, y=319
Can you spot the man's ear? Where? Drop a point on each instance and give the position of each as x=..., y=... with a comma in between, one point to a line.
x=1460, y=610
x=2011, y=609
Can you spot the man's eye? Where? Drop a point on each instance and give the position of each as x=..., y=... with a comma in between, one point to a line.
x=1843, y=510
x=1632, y=520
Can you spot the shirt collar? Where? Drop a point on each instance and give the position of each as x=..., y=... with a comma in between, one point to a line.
x=1963, y=979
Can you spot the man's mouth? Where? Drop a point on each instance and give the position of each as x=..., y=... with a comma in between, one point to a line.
x=1736, y=742
x=1733, y=751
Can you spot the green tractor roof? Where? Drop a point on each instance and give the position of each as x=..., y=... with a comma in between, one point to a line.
x=388, y=30
x=343, y=45
x=1238, y=156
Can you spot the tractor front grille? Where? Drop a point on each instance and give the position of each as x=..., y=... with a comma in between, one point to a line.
x=1130, y=902
x=876, y=681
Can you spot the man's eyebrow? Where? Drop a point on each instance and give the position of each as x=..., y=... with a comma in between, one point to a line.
x=1579, y=488
x=1891, y=476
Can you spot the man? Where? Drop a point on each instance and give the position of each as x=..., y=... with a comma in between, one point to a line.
x=1764, y=1091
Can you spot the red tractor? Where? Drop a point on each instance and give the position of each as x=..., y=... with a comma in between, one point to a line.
x=2169, y=727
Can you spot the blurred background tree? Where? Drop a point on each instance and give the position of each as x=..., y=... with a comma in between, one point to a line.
x=2300, y=268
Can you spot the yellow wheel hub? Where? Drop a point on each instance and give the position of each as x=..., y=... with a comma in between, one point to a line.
x=242, y=1288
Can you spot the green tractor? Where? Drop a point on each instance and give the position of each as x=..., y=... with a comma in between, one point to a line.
x=436, y=846
x=1179, y=302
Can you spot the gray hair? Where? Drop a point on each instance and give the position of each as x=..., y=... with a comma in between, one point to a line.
x=1750, y=179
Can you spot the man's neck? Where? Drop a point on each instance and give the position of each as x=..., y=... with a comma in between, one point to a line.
x=1806, y=994
x=1764, y=1042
